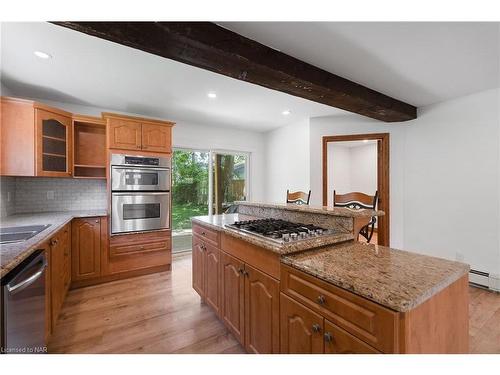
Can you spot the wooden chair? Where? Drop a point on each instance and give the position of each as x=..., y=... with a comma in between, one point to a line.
x=358, y=201
x=298, y=197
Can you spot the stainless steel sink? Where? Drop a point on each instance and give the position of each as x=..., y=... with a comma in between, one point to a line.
x=18, y=234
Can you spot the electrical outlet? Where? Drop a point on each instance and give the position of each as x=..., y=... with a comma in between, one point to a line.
x=50, y=195
x=459, y=256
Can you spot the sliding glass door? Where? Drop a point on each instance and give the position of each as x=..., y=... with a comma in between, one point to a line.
x=203, y=179
x=189, y=193
x=230, y=176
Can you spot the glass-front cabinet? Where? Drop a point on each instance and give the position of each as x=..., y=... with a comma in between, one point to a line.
x=53, y=145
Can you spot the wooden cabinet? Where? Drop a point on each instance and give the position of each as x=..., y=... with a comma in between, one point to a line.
x=60, y=270
x=124, y=134
x=261, y=312
x=305, y=332
x=338, y=341
x=198, y=263
x=35, y=139
x=134, y=133
x=156, y=138
x=86, y=248
x=366, y=320
x=53, y=144
x=233, y=295
x=301, y=329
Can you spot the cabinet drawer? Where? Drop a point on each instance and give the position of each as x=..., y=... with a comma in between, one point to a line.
x=370, y=322
x=139, y=243
x=209, y=235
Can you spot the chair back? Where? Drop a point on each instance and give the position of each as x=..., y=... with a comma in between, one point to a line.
x=298, y=197
x=355, y=200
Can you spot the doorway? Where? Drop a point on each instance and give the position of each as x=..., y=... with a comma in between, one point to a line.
x=358, y=162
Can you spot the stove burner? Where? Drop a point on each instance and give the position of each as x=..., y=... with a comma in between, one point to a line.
x=279, y=230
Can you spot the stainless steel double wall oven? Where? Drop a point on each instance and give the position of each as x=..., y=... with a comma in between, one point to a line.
x=140, y=193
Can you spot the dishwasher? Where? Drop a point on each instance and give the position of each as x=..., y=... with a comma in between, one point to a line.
x=23, y=307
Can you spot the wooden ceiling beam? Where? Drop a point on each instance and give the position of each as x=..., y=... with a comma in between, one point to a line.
x=209, y=46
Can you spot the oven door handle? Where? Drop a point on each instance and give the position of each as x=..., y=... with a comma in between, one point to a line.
x=140, y=193
x=139, y=170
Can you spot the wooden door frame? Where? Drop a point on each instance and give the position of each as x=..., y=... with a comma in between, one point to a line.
x=382, y=176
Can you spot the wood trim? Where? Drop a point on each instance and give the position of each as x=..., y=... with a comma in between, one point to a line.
x=214, y=48
x=120, y=276
x=98, y=121
x=107, y=115
x=383, y=181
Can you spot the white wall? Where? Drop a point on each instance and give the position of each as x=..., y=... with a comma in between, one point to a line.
x=364, y=168
x=451, y=180
x=444, y=176
x=287, y=161
x=351, y=168
x=339, y=170
x=199, y=136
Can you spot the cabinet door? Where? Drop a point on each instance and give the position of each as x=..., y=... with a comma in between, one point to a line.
x=53, y=144
x=232, y=294
x=301, y=328
x=262, y=319
x=198, y=263
x=124, y=134
x=338, y=341
x=56, y=276
x=211, y=270
x=86, y=248
x=156, y=138
x=66, y=249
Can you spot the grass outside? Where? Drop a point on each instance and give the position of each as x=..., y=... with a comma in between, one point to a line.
x=182, y=213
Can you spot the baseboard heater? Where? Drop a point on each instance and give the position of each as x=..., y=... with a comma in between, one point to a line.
x=484, y=280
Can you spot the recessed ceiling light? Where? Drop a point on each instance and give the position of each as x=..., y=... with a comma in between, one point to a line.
x=286, y=112
x=42, y=55
x=212, y=95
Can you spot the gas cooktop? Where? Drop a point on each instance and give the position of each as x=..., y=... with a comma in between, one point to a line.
x=280, y=231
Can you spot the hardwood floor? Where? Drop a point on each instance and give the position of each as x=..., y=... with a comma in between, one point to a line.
x=161, y=313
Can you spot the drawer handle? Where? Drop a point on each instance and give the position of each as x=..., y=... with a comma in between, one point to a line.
x=203, y=233
x=328, y=337
x=241, y=271
x=316, y=328
x=53, y=242
x=203, y=247
x=321, y=299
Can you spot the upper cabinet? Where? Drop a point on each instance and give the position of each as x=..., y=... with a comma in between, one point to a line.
x=35, y=140
x=53, y=144
x=123, y=134
x=134, y=133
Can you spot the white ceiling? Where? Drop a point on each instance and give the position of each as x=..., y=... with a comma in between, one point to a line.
x=420, y=63
x=90, y=71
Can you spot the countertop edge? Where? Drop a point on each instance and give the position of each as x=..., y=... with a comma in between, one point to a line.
x=4, y=271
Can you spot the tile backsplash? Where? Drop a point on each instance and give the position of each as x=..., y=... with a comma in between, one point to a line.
x=52, y=194
x=7, y=196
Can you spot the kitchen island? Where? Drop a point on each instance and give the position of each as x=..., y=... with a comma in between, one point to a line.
x=327, y=294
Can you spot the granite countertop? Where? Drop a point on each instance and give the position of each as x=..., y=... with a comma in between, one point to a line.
x=219, y=222
x=334, y=211
x=397, y=279
x=11, y=254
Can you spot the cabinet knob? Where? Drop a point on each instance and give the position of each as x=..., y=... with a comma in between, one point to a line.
x=321, y=299
x=138, y=146
x=328, y=337
x=316, y=328
x=241, y=270
x=203, y=233
x=245, y=273
x=97, y=221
